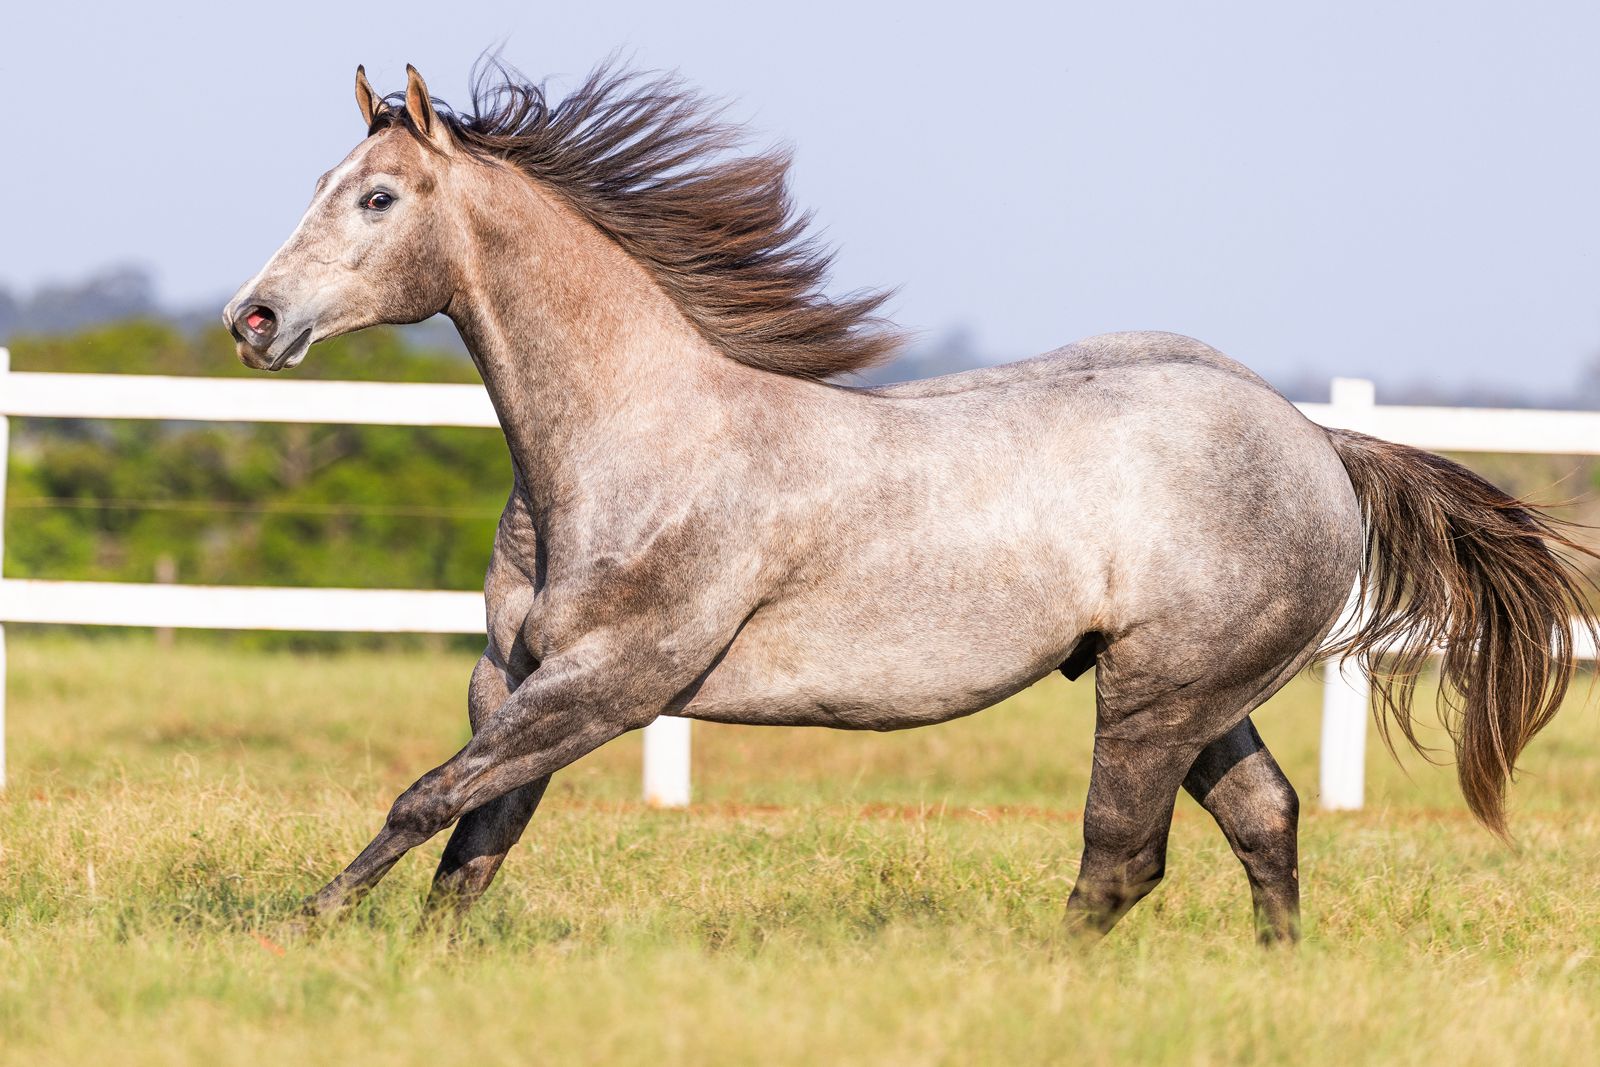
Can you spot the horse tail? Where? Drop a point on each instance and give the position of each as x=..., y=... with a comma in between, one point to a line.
x=1455, y=566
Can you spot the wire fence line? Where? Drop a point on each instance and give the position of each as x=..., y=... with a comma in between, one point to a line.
x=412, y=511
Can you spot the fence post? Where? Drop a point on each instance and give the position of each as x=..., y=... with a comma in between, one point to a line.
x=1346, y=690
x=5, y=460
x=666, y=763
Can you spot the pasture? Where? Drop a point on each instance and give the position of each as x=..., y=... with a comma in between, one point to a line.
x=831, y=898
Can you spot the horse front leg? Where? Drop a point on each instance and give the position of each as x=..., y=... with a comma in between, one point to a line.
x=484, y=835
x=570, y=706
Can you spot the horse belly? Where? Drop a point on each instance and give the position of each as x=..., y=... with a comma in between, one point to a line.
x=863, y=669
x=750, y=693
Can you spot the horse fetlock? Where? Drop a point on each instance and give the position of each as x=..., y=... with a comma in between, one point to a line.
x=1119, y=883
x=1099, y=901
x=1277, y=910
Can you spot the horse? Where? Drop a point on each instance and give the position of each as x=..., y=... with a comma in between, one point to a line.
x=706, y=521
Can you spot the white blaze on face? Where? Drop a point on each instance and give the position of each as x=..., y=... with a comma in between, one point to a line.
x=305, y=272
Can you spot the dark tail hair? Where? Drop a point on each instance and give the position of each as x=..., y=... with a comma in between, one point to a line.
x=1453, y=563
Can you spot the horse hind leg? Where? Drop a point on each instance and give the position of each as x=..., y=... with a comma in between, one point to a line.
x=1236, y=779
x=477, y=847
x=1126, y=818
x=1161, y=705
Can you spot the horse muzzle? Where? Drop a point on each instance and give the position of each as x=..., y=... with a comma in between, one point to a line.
x=261, y=340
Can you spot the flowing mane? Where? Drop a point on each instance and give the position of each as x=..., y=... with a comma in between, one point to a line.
x=654, y=166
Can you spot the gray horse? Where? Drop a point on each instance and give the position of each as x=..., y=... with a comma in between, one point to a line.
x=702, y=525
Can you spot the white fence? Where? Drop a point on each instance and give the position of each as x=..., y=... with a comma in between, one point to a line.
x=130, y=396
x=666, y=744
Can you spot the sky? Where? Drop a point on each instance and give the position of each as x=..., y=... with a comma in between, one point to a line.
x=1399, y=191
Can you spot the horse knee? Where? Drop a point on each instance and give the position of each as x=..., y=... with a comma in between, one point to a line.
x=421, y=811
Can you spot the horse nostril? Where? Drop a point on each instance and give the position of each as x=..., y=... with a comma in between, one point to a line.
x=256, y=322
x=260, y=319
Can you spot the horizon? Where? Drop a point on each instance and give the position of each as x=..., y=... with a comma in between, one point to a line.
x=127, y=293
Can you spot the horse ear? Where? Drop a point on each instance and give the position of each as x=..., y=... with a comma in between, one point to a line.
x=419, y=105
x=370, y=103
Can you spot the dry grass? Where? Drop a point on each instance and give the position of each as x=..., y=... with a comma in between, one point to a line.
x=835, y=898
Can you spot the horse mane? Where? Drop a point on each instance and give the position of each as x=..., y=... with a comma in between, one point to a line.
x=654, y=166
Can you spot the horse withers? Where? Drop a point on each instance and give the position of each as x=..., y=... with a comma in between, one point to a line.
x=702, y=523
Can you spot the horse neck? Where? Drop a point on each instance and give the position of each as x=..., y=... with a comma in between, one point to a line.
x=585, y=358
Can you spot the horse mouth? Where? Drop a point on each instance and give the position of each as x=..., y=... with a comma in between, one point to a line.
x=291, y=353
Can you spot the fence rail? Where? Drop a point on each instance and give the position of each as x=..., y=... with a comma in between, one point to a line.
x=153, y=396
x=225, y=607
x=666, y=748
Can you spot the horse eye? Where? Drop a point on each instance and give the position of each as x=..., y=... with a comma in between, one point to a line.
x=377, y=202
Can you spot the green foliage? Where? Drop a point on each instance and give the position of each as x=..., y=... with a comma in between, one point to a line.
x=251, y=504
x=152, y=346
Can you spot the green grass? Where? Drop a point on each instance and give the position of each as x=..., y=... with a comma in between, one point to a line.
x=832, y=898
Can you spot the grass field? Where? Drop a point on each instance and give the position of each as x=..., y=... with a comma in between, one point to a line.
x=831, y=899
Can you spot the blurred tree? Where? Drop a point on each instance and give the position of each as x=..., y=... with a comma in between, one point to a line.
x=117, y=293
x=954, y=350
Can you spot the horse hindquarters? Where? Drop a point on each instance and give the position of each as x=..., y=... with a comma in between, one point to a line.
x=1214, y=623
